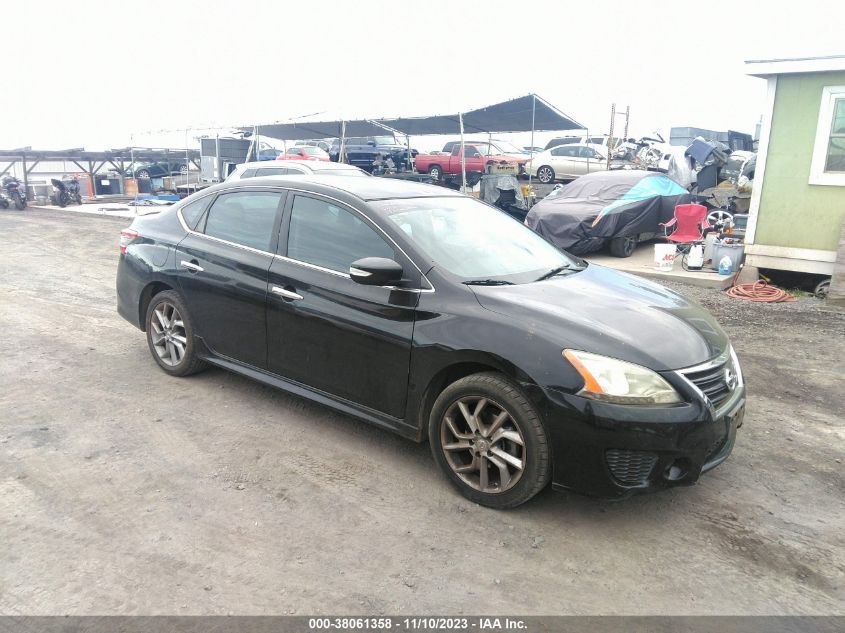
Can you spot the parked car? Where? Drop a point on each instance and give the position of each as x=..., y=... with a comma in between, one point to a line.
x=361, y=151
x=158, y=169
x=596, y=139
x=304, y=152
x=566, y=162
x=618, y=209
x=436, y=316
x=295, y=168
x=490, y=147
x=322, y=144
x=440, y=165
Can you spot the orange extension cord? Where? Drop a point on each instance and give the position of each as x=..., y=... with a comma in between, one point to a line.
x=759, y=291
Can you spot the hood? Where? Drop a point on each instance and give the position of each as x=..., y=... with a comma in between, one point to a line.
x=618, y=315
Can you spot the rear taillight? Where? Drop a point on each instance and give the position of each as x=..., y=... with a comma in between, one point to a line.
x=127, y=236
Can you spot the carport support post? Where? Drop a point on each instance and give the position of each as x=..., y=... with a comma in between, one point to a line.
x=533, y=111
x=342, y=147
x=463, y=158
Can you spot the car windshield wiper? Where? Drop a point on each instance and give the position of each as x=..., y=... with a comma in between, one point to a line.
x=553, y=272
x=488, y=282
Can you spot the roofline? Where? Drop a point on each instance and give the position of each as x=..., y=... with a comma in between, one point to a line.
x=768, y=67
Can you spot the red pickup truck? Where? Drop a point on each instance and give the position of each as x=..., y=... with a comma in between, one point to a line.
x=438, y=165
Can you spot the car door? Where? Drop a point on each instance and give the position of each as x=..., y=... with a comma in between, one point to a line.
x=562, y=162
x=580, y=160
x=595, y=161
x=325, y=330
x=223, y=269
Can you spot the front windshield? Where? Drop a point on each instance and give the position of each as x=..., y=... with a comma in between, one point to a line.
x=508, y=148
x=472, y=240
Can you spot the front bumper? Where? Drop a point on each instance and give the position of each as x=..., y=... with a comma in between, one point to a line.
x=608, y=450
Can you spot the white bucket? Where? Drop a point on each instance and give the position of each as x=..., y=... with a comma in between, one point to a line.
x=664, y=256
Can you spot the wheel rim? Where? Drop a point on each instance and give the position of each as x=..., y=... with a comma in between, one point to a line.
x=545, y=175
x=630, y=245
x=435, y=173
x=183, y=169
x=143, y=174
x=482, y=444
x=717, y=217
x=167, y=330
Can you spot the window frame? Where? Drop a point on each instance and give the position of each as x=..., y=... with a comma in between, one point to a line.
x=824, y=127
x=284, y=233
x=199, y=229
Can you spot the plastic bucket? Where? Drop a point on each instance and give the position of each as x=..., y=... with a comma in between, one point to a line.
x=733, y=251
x=664, y=256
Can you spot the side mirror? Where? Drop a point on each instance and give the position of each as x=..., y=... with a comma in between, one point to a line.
x=375, y=271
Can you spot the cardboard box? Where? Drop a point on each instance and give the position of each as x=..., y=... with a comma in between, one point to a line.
x=510, y=168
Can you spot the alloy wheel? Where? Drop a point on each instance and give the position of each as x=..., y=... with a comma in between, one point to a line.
x=483, y=444
x=545, y=175
x=168, y=334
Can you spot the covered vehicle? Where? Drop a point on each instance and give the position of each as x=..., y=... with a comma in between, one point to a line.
x=615, y=208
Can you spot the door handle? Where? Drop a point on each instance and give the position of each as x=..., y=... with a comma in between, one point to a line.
x=194, y=268
x=286, y=294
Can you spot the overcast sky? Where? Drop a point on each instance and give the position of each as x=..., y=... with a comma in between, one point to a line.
x=98, y=74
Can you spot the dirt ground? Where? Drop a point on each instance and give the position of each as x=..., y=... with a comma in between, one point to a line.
x=124, y=491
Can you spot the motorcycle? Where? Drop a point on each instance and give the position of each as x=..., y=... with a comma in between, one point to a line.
x=15, y=192
x=66, y=192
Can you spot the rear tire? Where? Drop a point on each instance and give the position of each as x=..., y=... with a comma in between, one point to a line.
x=623, y=246
x=546, y=175
x=505, y=460
x=436, y=173
x=170, y=335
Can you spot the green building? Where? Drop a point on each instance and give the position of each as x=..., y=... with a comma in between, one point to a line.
x=798, y=201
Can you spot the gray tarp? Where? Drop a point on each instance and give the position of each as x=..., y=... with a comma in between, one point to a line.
x=593, y=209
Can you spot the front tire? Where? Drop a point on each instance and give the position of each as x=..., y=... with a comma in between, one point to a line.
x=170, y=335
x=20, y=203
x=143, y=174
x=546, y=175
x=623, y=246
x=489, y=441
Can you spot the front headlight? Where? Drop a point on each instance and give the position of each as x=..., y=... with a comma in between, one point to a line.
x=620, y=382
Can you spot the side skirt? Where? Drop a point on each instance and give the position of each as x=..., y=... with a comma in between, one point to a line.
x=377, y=418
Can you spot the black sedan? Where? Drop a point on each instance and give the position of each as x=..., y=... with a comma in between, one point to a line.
x=436, y=316
x=157, y=169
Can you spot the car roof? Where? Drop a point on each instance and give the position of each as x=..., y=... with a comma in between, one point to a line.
x=363, y=188
x=314, y=165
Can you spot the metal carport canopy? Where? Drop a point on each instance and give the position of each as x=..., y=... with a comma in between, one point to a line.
x=316, y=129
x=523, y=114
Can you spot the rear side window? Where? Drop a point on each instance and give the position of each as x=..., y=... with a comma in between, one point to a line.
x=246, y=218
x=248, y=173
x=273, y=171
x=192, y=212
x=326, y=235
x=565, y=150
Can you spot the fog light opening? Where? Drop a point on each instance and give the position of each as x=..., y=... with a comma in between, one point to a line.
x=677, y=470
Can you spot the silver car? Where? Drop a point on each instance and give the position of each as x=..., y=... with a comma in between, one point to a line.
x=567, y=162
x=293, y=167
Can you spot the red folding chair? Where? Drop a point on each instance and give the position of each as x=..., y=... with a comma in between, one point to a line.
x=690, y=221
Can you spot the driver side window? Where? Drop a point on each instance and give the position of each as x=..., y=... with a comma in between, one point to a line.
x=331, y=237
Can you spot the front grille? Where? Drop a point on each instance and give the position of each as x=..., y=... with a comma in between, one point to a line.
x=630, y=467
x=713, y=382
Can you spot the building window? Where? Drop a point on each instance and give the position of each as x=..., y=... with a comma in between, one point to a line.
x=828, y=165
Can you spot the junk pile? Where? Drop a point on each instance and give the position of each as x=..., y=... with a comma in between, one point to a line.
x=715, y=176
